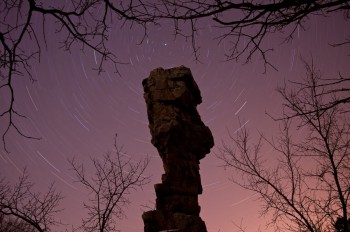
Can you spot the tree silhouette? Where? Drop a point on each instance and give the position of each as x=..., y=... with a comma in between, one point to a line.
x=115, y=177
x=21, y=204
x=85, y=24
x=306, y=186
x=247, y=23
x=23, y=23
x=11, y=224
x=341, y=224
x=109, y=188
x=334, y=92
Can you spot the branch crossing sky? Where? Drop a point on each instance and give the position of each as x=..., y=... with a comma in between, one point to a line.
x=77, y=112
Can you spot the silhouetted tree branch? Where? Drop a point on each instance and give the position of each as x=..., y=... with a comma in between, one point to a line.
x=341, y=224
x=307, y=186
x=33, y=210
x=246, y=24
x=85, y=24
x=12, y=224
x=23, y=33
x=333, y=92
x=115, y=177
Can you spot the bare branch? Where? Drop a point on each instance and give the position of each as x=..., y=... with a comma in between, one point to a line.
x=306, y=187
x=245, y=25
x=78, y=22
x=35, y=210
x=115, y=178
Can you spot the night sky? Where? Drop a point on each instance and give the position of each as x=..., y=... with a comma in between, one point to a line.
x=77, y=112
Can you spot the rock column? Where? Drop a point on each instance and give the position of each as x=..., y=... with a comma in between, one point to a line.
x=181, y=139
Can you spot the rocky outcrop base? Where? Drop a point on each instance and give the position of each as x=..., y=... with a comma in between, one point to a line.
x=157, y=221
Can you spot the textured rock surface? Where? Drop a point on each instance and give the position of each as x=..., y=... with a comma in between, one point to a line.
x=181, y=139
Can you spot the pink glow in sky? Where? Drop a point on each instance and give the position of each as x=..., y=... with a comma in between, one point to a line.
x=77, y=112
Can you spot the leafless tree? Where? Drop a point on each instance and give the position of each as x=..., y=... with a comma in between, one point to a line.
x=303, y=181
x=85, y=24
x=334, y=92
x=114, y=176
x=33, y=210
x=341, y=223
x=246, y=24
x=12, y=224
x=109, y=188
x=82, y=24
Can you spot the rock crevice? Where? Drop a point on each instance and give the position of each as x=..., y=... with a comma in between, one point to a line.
x=181, y=139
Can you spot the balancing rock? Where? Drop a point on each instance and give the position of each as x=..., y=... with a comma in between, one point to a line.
x=181, y=139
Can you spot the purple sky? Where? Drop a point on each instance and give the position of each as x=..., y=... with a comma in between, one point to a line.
x=77, y=112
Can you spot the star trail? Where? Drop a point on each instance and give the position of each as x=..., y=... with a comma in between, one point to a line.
x=77, y=111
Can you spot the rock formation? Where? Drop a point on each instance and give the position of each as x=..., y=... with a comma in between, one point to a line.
x=181, y=139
